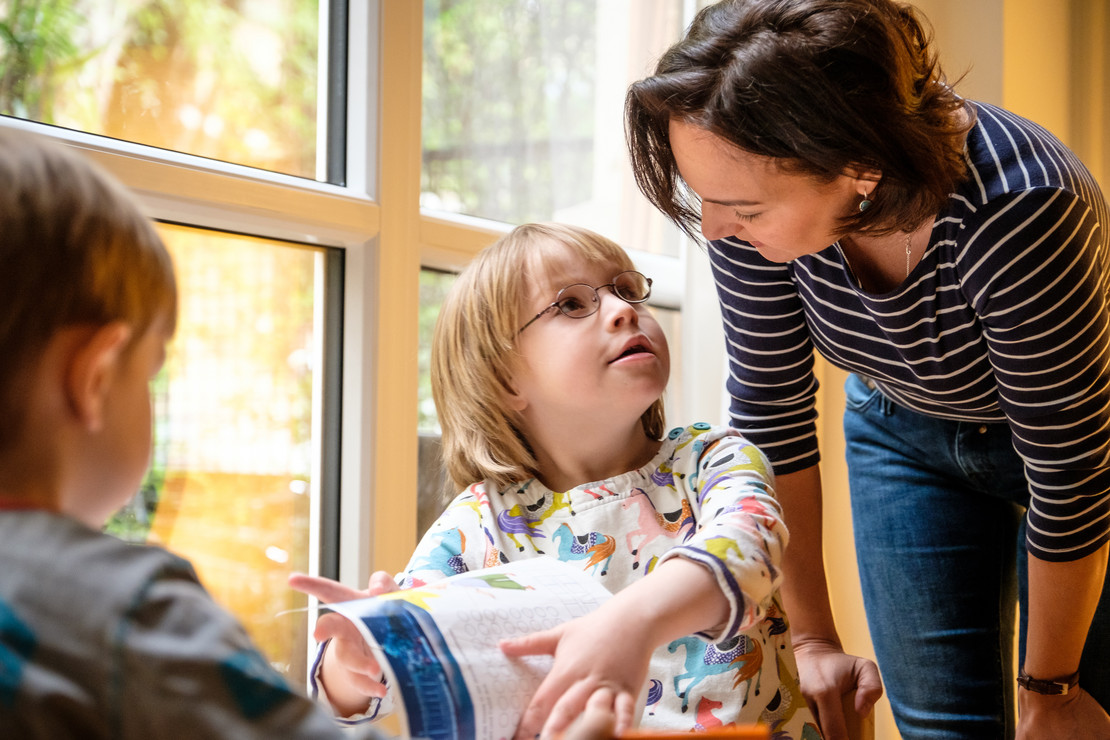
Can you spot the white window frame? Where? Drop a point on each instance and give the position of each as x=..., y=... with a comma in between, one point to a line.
x=376, y=220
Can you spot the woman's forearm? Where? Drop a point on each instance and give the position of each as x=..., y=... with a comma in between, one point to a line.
x=805, y=592
x=1062, y=601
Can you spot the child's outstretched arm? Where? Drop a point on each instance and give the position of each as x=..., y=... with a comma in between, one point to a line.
x=719, y=582
x=609, y=649
x=349, y=673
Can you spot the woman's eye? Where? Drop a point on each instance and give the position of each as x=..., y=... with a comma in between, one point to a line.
x=745, y=216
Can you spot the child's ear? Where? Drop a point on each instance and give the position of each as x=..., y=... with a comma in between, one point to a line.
x=513, y=400
x=90, y=372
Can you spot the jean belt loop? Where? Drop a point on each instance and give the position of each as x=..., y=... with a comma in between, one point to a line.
x=886, y=406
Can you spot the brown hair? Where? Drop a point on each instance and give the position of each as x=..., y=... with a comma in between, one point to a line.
x=821, y=86
x=474, y=346
x=74, y=249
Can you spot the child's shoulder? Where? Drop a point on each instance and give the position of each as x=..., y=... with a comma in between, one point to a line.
x=695, y=442
x=487, y=495
x=113, y=629
x=48, y=535
x=705, y=433
x=51, y=560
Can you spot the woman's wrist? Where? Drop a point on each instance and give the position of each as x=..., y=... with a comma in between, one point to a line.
x=1056, y=686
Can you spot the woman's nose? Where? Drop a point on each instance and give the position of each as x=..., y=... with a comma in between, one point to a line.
x=717, y=222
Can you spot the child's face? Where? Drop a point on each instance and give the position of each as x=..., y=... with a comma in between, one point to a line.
x=125, y=440
x=604, y=369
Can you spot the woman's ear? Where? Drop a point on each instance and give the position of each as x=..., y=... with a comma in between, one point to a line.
x=93, y=365
x=864, y=180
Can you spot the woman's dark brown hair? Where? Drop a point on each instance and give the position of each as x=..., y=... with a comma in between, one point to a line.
x=822, y=86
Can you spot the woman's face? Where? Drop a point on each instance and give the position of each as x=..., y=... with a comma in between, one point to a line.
x=782, y=215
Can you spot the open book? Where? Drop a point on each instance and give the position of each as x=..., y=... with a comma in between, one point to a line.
x=438, y=644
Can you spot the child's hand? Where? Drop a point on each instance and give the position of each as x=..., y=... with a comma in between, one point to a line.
x=598, y=721
x=329, y=591
x=596, y=656
x=610, y=648
x=349, y=672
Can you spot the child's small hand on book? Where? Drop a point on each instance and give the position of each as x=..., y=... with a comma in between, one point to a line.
x=350, y=673
x=585, y=668
x=598, y=721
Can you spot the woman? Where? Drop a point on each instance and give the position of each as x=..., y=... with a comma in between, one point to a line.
x=952, y=256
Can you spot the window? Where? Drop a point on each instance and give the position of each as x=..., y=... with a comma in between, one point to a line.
x=523, y=111
x=522, y=120
x=236, y=82
x=176, y=98
x=235, y=473
x=277, y=143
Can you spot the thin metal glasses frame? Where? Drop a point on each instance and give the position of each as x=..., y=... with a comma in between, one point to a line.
x=591, y=308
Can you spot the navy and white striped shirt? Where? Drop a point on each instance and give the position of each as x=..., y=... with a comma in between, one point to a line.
x=1004, y=319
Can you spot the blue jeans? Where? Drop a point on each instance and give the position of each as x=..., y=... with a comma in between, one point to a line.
x=938, y=509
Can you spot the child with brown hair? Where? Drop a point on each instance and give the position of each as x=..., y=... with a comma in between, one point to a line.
x=99, y=638
x=548, y=371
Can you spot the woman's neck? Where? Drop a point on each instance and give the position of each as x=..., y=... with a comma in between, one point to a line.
x=882, y=263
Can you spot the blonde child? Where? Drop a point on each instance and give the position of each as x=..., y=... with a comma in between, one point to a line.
x=548, y=372
x=99, y=638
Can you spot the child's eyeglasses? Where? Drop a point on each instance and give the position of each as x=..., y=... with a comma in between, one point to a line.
x=580, y=300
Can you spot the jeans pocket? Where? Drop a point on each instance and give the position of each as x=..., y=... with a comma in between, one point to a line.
x=860, y=393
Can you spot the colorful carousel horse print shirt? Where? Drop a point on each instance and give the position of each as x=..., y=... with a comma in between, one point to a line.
x=706, y=496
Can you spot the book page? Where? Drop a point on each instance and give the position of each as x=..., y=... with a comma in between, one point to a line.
x=438, y=643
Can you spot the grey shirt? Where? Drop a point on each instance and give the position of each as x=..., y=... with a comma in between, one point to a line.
x=102, y=639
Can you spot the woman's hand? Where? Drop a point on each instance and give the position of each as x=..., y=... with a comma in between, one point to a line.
x=1076, y=716
x=826, y=674
x=589, y=671
x=349, y=673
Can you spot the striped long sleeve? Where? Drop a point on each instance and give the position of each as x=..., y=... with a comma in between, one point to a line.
x=1004, y=319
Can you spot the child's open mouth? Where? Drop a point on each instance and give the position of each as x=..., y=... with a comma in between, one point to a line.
x=635, y=349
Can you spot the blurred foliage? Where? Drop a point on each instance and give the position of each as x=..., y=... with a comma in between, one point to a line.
x=226, y=79
x=508, y=106
x=36, y=43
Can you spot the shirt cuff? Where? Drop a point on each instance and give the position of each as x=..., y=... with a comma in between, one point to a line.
x=318, y=692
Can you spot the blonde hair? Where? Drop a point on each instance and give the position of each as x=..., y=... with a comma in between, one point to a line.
x=74, y=249
x=474, y=347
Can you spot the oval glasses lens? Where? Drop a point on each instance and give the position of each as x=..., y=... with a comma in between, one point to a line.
x=631, y=286
x=577, y=301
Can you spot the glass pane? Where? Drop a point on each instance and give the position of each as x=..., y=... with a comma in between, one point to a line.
x=432, y=485
x=235, y=81
x=434, y=286
x=234, y=475
x=523, y=111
